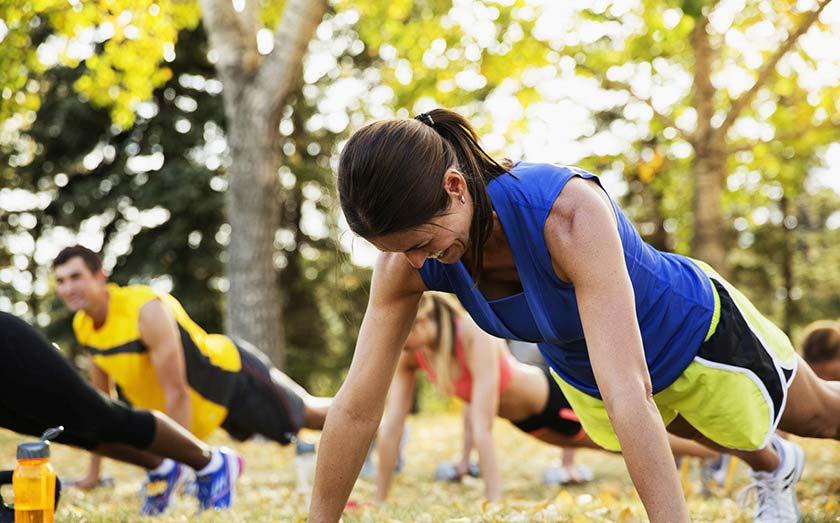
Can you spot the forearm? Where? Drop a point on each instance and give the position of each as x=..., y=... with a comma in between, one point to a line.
x=468, y=438
x=489, y=467
x=387, y=448
x=649, y=460
x=95, y=468
x=344, y=443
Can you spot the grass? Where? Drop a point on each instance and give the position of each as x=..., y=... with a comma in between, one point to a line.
x=267, y=490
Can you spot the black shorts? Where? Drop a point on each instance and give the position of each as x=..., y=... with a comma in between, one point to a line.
x=264, y=400
x=39, y=389
x=557, y=414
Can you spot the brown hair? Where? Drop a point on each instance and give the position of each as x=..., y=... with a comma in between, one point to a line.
x=443, y=312
x=822, y=342
x=91, y=259
x=390, y=176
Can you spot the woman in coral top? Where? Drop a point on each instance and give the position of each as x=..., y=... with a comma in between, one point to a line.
x=462, y=360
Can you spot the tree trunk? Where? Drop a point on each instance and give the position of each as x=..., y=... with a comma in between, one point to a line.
x=255, y=89
x=708, y=170
x=709, y=165
x=789, y=244
x=254, y=310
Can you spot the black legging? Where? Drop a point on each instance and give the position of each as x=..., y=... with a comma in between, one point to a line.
x=40, y=389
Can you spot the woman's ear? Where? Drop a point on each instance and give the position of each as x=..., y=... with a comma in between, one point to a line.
x=455, y=184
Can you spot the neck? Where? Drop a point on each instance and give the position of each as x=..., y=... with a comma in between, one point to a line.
x=99, y=310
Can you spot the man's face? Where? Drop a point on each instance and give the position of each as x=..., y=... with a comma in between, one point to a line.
x=77, y=285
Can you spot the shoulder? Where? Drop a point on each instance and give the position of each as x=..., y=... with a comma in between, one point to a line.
x=130, y=298
x=580, y=210
x=473, y=338
x=535, y=185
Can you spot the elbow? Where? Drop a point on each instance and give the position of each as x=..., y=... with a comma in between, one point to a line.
x=629, y=396
x=177, y=395
x=354, y=416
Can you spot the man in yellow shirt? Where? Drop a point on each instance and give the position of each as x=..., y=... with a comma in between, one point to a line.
x=144, y=342
x=39, y=389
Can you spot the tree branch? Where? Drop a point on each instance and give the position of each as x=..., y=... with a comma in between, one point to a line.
x=827, y=125
x=229, y=36
x=665, y=118
x=280, y=69
x=767, y=69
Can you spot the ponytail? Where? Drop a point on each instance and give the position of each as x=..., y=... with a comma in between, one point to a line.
x=390, y=176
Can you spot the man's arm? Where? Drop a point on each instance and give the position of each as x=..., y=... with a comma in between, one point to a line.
x=159, y=333
x=102, y=382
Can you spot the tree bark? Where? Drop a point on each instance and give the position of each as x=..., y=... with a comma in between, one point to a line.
x=255, y=89
x=709, y=165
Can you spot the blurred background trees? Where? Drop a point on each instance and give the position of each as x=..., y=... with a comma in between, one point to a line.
x=195, y=143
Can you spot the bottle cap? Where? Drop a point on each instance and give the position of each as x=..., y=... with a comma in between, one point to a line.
x=40, y=448
x=33, y=450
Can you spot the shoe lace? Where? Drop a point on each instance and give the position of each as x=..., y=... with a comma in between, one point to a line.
x=765, y=488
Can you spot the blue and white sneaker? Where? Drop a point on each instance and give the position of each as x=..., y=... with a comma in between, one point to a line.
x=158, y=490
x=215, y=490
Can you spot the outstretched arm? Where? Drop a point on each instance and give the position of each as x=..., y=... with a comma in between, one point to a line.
x=391, y=429
x=355, y=413
x=464, y=465
x=482, y=353
x=159, y=333
x=585, y=247
x=101, y=381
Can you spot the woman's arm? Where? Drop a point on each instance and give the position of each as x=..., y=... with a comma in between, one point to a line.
x=391, y=429
x=463, y=467
x=481, y=352
x=355, y=413
x=585, y=248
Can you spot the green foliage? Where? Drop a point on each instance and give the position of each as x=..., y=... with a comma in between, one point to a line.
x=130, y=38
x=140, y=89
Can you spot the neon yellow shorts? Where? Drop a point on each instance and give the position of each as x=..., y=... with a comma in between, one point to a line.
x=733, y=392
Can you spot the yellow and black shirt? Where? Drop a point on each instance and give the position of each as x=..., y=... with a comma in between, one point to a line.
x=212, y=360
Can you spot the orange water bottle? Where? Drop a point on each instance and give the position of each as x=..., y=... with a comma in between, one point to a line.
x=33, y=481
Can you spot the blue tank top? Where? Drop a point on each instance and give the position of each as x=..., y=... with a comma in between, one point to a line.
x=674, y=300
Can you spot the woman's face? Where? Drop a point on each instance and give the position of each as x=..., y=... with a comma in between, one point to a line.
x=444, y=237
x=420, y=335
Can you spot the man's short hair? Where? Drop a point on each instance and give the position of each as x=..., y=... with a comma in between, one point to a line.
x=822, y=342
x=90, y=258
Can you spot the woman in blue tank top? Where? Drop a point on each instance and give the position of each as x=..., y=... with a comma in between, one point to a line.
x=639, y=340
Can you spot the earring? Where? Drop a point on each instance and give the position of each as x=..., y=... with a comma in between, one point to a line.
x=463, y=200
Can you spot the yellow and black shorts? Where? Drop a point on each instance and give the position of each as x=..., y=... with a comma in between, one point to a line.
x=735, y=389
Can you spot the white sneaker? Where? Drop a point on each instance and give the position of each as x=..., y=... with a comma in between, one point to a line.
x=776, y=491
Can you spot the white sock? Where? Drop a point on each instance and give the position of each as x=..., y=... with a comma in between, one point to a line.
x=213, y=466
x=164, y=468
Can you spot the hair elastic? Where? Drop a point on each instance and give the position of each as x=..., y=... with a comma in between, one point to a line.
x=426, y=118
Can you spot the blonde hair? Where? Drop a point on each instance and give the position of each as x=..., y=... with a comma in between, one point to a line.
x=443, y=310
